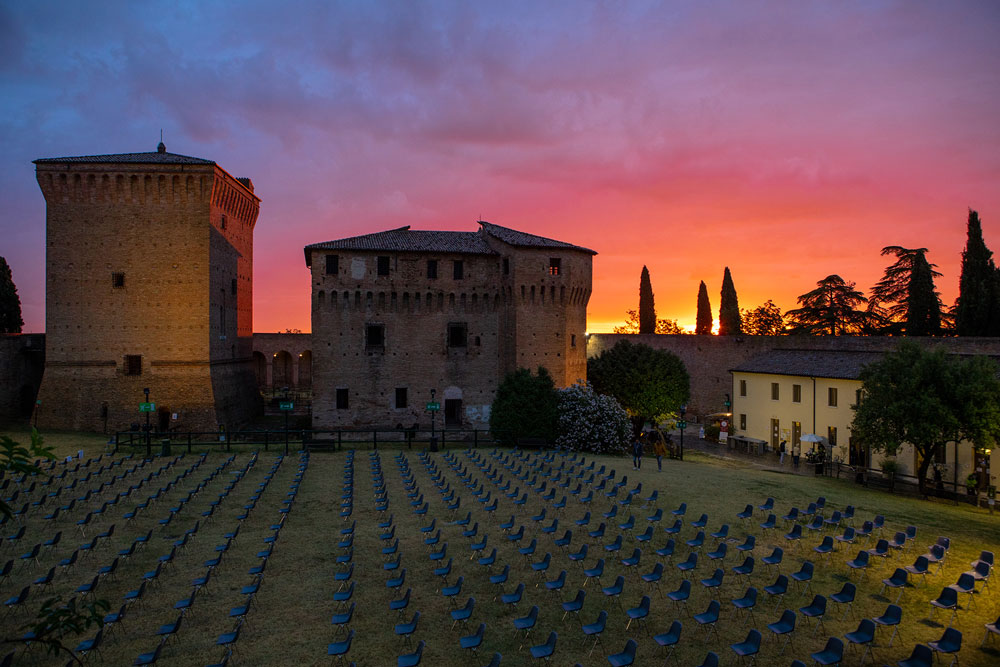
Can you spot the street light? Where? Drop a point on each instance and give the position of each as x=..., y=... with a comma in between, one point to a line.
x=682, y=424
x=149, y=446
x=433, y=408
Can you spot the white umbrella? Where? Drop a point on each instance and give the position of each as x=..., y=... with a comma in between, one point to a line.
x=811, y=437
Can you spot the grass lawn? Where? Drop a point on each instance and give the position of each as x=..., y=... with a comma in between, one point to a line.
x=290, y=623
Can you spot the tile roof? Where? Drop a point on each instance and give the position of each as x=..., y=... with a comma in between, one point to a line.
x=523, y=239
x=155, y=157
x=836, y=364
x=405, y=239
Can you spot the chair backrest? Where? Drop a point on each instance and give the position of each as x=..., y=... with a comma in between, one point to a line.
x=807, y=568
x=948, y=597
x=951, y=639
x=753, y=638
x=713, y=609
x=867, y=628
x=848, y=591
x=893, y=615
x=551, y=642
x=788, y=618
x=835, y=645
x=819, y=603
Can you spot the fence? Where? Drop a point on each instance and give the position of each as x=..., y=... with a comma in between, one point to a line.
x=895, y=482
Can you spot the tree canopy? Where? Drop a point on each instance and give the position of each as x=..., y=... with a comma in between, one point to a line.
x=906, y=294
x=631, y=325
x=648, y=383
x=830, y=309
x=928, y=399
x=764, y=320
x=10, y=302
x=592, y=422
x=977, y=293
x=647, y=308
x=526, y=406
x=729, y=307
x=703, y=321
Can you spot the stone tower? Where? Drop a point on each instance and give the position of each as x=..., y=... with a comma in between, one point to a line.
x=149, y=260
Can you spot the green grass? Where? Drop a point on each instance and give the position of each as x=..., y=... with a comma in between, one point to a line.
x=291, y=624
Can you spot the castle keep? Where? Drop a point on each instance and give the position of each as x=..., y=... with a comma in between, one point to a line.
x=149, y=262
x=398, y=313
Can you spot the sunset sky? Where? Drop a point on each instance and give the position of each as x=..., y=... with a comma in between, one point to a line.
x=786, y=140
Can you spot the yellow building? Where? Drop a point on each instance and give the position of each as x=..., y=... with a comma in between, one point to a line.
x=788, y=394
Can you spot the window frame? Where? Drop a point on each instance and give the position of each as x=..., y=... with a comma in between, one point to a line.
x=132, y=365
x=343, y=398
x=374, y=346
x=743, y=388
x=831, y=397
x=401, y=391
x=775, y=391
x=796, y=393
x=450, y=341
x=555, y=266
x=458, y=269
x=118, y=280
x=432, y=269
x=383, y=265
x=332, y=267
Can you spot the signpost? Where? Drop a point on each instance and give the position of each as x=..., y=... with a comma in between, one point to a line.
x=147, y=407
x=682, y=424
x=433, y=407
x=286, y=406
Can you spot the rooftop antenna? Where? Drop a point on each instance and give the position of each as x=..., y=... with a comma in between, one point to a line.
x=161, y=148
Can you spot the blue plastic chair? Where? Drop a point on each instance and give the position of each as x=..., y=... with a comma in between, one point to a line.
x=462, y=614
x=770, y=523
x=681, y=595
x=674, y=528
x=845, y=596
x=784, y=626
x=666, y=551
x=922, y=656
x=832, y=653
x=406, y=629
x=558, y=583
x=804, y=575
x=863, y=636
x=689, y=564
x=680, y=511
x=898, y=580
x=948, y=599
x=715, y=581
x=575, y=605
x=626, y=657
x=513, y=598
x=545, y=650
x=475, y=640
x=747, y=604
x=860, y=563
x=950, y=643
x=151, y=657
x=525, y=624
x=748, y=648
x=411, y=659
x=594, y=573
x=668, y=640
x=745, y=569
x=615, y=589
x=709, y=618
x=595, y=629
x=892, y=617
x=654, y=577
x=638, y=614
x=816, y=609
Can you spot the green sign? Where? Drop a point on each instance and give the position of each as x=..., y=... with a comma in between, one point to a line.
x=682, y=424
x=285, y=405
x=147, y=407
x=728, y=404
x=433, y=406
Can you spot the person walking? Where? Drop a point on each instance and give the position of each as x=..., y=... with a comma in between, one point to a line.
x=781, y=457
x=637, y=453
x=660, y=450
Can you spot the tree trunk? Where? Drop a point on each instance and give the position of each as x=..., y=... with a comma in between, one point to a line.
x=637, y=424
x=925, y=463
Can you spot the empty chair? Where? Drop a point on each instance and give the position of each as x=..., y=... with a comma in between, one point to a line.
x=681, y=595
x=526, y=623
x=746, y=513
x=709, y=618
x=721, y=533
x=784, y=627
x=406, y=629
x=596, y=628
x=594, y=572
x=719, y=553
x=980, y=572
x=860, y=563
x=464, y=613
x=669, y=639
x=746, y=603
x=948, y=599
x=639, y=613
x=778, y=589
x=950, y=642
x=966, y=584
x=545, y=650
x=825, y=548
x=633, y=560
x=863, y=636
x=774, y=560
x=847, y=537
x=88, y=645
x=715, y=581
x=475, y=640
x=890, y=618
x=746, y=568
x=922, y=656
x=897, y=581
x=653, y=578
x=674, y=528
x=748, y=648
x=936, y=556
x=514, y=597
x=411, y=659
x=804, y=575
x=816, y=609
x=680, y=511
x=697, y=541
x=689, y=564
x=831, y=654
x=626, y=657
x=557, y=583
x=845, y=596
x=795, y=534
x=575, y=605
x=920, y=567
x=991, y=629
x=769, y=523
x=880, y=550
x=151, y=657
x=339, y=620
x=615, y=589
x=767, y=506
x=666, y=551
x=700, y=522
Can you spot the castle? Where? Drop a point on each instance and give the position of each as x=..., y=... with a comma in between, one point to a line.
x=149, y=302
x=149, y=286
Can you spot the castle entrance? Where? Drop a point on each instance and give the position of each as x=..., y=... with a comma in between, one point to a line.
x=453, y=412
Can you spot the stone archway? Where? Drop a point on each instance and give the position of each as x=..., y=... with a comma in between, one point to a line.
x=282, y=370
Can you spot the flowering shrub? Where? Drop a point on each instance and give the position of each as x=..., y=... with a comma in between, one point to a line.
x=592, y=422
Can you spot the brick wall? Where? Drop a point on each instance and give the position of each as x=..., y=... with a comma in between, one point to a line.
x=22, y=358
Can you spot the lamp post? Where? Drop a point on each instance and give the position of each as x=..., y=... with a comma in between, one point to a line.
x=682, y=424
x=433, y=408
x=149, y=446
x=285, y=409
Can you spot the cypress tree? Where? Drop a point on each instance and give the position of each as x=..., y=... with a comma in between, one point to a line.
x=729, y=307
x=703, y=322
x=647, y=310
x=976, y=288
x=10, y=302
x=907, y=295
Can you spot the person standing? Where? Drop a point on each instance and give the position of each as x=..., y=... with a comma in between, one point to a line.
x=796, y=454
x=660, y=450
x=781, y=457
x=637, y=453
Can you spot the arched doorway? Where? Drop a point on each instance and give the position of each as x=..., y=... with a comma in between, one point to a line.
x=260, y=368
x=281, y=370
x=305, y=370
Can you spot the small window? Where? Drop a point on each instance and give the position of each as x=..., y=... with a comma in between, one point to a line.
x=374, y=336
x=572, y=340
x=223, y=222
x=332, y=265
x=774, y=391
x=506, y=266
x=478, y=343
x=342, y=399
x=831, y=436
x=459, y=269
x=133, y=364
x=118, y=280
x=432, y=269
x=831, y=397
x=796, y=393
x=743, y=387
x=457, y=335
x=400, y=398
x=233, y=287
x=554, y=266
x=383, y=265
x=743, y=422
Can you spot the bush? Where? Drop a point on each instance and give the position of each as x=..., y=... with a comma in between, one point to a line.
x=712, y=432
x=890, y=466
x=526, y=406
x=592, y=422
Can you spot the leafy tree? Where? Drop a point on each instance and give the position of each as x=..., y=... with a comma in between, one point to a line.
x=928, y=399
x=54, y=619
x=631, y=325
x=764, y=320
x=10, y=302
x=592, y=422
x=729, y=307
x=830, y=309
x=906, y=293
x=977, y=296
x=526, y=406
x=703, y=321
x=648, y=383
x=647, y=309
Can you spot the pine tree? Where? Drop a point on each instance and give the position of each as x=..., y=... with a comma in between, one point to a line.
x=647, y=310
x=906, y=294
x=729, y=308
x=830, y=309
x=703, y=322
x=10, y=302
x=976, y=291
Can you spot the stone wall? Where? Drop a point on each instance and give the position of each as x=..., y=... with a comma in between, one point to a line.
x=708, y=359
x=22, y=359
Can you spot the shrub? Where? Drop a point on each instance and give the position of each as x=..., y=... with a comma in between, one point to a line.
x=525, y=407
x=592, y=422
x=712, y=432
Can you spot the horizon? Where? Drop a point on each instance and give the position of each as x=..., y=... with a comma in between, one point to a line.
x=787, y=141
